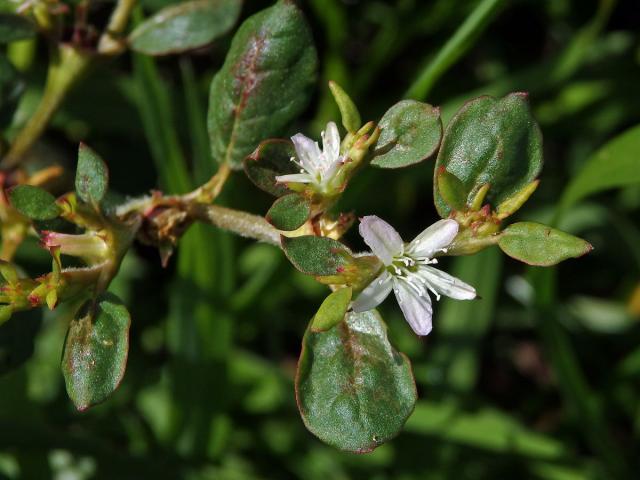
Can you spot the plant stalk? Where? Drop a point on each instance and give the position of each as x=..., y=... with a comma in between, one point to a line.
x=68, y=65
x=244, y=224
x=110, y=42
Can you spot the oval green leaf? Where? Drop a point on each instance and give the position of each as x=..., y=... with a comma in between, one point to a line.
x=491, y=141
x=320, y=256
x=537, y=244
x=34, y=202
x=95, y=352
x=265, y=83
x=289, y=213
x=451, y=189
x=270, y=159
x=15, y=27
x=92, y=175
x=348, y=111
x=185, y=26
x=353, y=389
x=410, y=133
x=332, y=310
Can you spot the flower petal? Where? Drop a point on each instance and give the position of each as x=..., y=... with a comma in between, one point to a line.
x=446, y=284
x=416, y=309
x=434, y=238
x=331, y=142
x=381, y=238
x=295, y=178
x=374, y=294
x=308, y=152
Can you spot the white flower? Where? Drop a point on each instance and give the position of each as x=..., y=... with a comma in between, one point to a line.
x=409, y=272
x=316, y=167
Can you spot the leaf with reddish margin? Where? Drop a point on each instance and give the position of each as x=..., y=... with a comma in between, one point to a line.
x=537, y=244
x=270, y=159
x=95, y=351
x=493, y=141
x=353, y=389
x=266, y=81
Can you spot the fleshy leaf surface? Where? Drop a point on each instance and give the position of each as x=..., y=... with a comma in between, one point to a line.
x=265, y=83
x=491, y=141
x=92, y=175
x=34, y=202
x=348, y=111
x=270, y=159
x=410, y=133
x=332, y=310
x=353, y=389
x=185, y=26
x=95, y=352
x=319, y=256
x=289, y=212
x=537, y=244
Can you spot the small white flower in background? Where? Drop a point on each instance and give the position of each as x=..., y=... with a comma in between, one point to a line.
x=408, y=270
x=317, y=167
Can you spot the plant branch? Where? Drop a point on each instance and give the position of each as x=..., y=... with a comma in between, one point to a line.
x=241, y=223
x=67, y=66
x=110, y=42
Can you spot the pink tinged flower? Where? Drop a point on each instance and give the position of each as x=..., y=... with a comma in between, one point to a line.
x=409, y=272
x=317, y=167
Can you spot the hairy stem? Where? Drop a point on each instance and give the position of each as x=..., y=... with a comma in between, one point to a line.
x=241, y=223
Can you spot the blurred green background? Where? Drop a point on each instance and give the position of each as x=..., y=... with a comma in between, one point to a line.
x=539, y=379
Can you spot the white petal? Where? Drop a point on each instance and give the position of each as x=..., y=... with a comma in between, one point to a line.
x=374, y=294
x=446, y=284
x=331, y=142
x=416, y=309
x=434, y=238
x=308, y=152
x=295, y=178
x=381, y=237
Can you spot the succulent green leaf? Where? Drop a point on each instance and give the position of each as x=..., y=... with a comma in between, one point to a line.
x=270, y=159
x=348, y=110
x=319, y=256
x=491, y=141
x=353, y=389
x=185, y=26
x=95, y=351
x=537, y=244
x=289, y=212
x=265, y=83
x=410, y=133
x=92, y=175
x=8, y=272
x=15, y=27
x=451, y=189
x=332, y=310
x=614, y=165
x=512, y=204
x=34, y=202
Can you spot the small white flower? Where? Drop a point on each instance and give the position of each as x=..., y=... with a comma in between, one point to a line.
x=316, y=167
x=408, y=270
